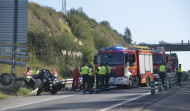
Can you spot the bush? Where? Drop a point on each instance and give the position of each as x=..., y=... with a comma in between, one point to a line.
x=2, y=96
x=23, y=92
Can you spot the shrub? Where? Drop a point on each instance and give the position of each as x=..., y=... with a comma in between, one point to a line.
x=2, y=96
x=23, y=92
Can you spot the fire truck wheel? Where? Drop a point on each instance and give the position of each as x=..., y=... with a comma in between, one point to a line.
x=6, y=79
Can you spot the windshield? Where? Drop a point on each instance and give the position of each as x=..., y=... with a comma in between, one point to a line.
x=157, y=59
x=111, y=59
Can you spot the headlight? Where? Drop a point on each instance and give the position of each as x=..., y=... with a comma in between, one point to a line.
x=54, y=82
x=44, y=80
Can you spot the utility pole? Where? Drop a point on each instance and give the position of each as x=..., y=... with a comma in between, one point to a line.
x=64, y=6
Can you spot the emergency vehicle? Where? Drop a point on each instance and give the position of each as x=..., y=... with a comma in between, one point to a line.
x=158, y=60
x=129, y=67
x=172, y=64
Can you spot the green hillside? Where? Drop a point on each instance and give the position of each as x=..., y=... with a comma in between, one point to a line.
x=61, y=41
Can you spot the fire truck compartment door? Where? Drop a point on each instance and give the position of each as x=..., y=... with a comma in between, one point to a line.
x=147, y=63
x=151, y=64
x=142, y=64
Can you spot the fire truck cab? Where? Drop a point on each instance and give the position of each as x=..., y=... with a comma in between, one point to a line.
x=129, y=67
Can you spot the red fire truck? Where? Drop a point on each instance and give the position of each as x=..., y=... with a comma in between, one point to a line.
x=171, y=63
x=158, y=60
x=129, y=67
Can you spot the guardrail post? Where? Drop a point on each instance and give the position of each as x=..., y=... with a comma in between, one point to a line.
x=152, y=88
x=165, y=84
x=159, y=85
x=170, y=83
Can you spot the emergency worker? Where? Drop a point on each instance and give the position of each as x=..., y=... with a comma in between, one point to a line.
x=27, y=72
x=107, y=75
x=30, y=70
x=35, y=72
x=102, y=76
x=98, y=70
x=179, y=74
x=76, y=74
x=54, y=72
x=90, y=79
x=30, y=82
x=84, y=72
x=162, y=72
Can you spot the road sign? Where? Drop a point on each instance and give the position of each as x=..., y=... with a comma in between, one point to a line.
x=13, y=31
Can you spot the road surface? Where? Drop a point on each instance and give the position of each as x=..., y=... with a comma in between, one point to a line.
x=76, y=101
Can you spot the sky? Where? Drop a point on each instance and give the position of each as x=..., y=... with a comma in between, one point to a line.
x=150, y=21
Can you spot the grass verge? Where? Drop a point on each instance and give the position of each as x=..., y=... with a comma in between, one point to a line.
x=23, y=92
x=2, y=96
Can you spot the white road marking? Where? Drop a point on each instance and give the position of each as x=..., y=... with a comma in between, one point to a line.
x=35, y=102
x=124, y=102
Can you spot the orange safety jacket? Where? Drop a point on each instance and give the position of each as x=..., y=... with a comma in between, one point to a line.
x=27, y=73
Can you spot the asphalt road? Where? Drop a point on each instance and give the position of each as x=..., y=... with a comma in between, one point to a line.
x=76, y=101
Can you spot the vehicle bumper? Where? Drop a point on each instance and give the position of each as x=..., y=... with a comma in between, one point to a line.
x=119, y=81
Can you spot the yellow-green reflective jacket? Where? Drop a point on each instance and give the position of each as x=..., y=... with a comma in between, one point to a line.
x=28, y=78
x=179, y=69
x=36, y=72
x=84, y=70
x=98, y=70
x=103, y=70
x=162, y=68
x=90, y=72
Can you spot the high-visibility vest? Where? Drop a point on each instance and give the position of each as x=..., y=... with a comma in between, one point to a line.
x=27, y=73
x=90, y=72
x=28, y=78
x=36, y=72
x=98, y=70
x=179, y=69
x=162, y=68
x=103, y=70
x=108, y=70
x=84, y=70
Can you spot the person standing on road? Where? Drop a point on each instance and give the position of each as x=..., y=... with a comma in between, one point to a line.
x=98, y=70
x=76, y=74
x=102, y=76
x=91, y=80
x=35, y=72
x=84, y=71
x=107, y=76
x=179, y=74
x=162, y=72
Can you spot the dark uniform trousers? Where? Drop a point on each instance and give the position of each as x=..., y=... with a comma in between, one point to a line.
x=84, y=80
x=179, y=74
x=97, y=81
x=102, y=76
x=90, y=83
x=107, y=78
x=162, y=76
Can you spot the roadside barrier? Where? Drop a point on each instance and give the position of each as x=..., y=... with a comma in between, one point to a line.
x=159, y=85
x=165, y=84
x=152, y=88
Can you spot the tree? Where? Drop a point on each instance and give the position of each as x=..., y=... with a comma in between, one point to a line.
x=128, y=35
x=188, y=71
